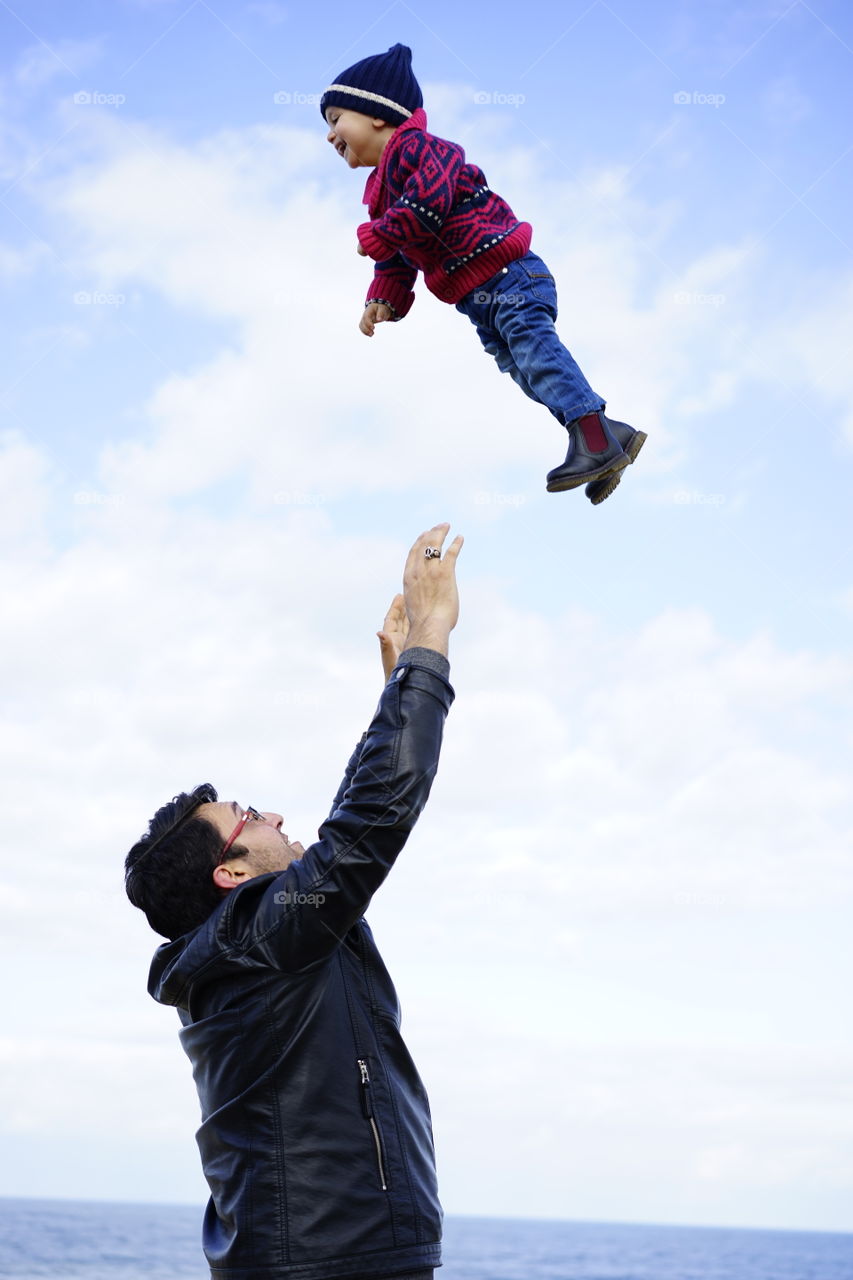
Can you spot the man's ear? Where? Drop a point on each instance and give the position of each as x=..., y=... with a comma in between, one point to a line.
x=227, y=876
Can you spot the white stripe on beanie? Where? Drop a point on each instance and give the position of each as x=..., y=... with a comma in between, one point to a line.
x=371, y=97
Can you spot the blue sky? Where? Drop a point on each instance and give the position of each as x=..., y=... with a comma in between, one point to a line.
x=637, y=857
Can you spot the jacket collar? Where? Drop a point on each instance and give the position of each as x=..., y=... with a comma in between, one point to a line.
x=417, y=120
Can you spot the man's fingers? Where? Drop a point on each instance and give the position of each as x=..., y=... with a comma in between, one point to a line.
x=429, y=584
x=433, y=537
x=396, y=613
x=455, y=547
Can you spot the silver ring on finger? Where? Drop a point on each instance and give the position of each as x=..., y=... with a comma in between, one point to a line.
x=432, y=553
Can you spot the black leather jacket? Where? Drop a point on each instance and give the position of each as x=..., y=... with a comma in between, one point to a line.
x=315, y=1138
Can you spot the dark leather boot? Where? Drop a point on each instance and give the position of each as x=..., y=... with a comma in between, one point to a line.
x=632, y=442
x=594, y=452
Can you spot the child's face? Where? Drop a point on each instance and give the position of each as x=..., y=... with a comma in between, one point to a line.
x=358, y=138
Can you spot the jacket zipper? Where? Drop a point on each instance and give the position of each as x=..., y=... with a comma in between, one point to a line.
x=368, y=1111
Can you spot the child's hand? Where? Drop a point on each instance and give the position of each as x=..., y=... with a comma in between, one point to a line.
x=361, y=251
x=374, y=313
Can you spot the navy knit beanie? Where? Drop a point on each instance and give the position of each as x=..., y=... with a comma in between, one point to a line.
x=382, y=86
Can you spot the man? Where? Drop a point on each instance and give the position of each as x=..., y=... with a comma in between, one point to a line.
x=315, y=1138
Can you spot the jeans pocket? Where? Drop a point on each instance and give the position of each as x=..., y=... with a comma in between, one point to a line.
x=543, y=286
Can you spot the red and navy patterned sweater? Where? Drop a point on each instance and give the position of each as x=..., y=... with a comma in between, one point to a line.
x=432, y=212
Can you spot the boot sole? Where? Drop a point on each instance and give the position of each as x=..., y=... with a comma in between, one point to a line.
x=574, y=482
x=603, y=488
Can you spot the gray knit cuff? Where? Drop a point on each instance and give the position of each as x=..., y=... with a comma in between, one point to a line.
x=429, y=658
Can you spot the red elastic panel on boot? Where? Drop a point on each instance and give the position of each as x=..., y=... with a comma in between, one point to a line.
x=593, y=433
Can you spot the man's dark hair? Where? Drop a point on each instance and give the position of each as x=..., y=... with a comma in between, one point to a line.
x=168, y=873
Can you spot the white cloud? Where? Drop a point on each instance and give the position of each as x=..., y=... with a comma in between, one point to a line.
x=268, y=207
x=159, y=650
x=614, y=1120
x=611, y=802
x=24, y=491
x=43, y=62
x=20, y=261
x=816, y=345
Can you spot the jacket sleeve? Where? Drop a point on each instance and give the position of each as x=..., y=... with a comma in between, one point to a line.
x=301, y=915
x=352, y=765
x=428, y=169
x=392, y=283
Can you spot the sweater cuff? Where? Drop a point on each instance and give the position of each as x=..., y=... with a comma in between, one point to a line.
x=372, y=244
x=385, y=303
x=431, y=659
x=396, y=296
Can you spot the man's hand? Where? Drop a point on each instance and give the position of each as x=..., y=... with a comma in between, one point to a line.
x=429, y=591
x=374, y=313
x=392, y=637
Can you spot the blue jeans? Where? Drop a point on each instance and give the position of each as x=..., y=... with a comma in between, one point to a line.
x=514, y=316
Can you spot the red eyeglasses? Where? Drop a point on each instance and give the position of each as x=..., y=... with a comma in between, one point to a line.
x=250, y=815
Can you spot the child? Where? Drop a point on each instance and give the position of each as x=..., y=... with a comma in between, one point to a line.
x=431, y=211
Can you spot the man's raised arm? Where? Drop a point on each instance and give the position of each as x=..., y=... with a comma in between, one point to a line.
x=311, y=906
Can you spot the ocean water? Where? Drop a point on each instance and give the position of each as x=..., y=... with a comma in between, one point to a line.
x=99, y=1241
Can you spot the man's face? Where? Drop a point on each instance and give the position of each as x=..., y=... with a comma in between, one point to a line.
x=260, y=847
